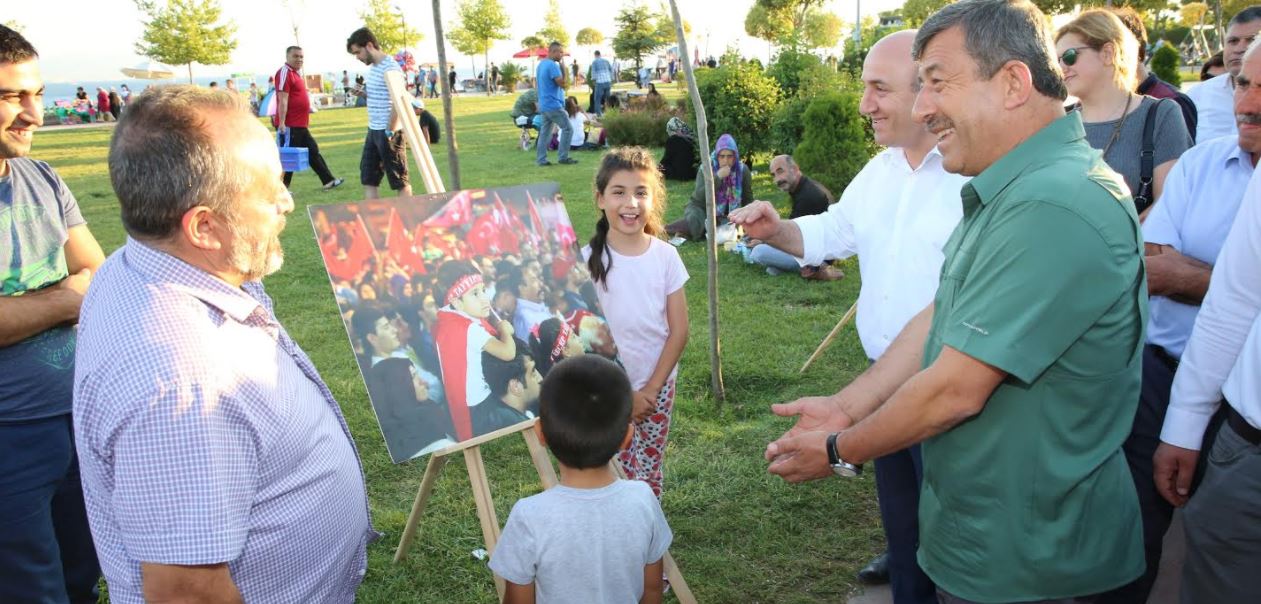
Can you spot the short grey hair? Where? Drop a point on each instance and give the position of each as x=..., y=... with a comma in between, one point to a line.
x=998, y=31
x=789, y=162
x=164, y=162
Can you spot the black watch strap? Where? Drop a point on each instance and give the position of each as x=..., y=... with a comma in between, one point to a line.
x=833, y=459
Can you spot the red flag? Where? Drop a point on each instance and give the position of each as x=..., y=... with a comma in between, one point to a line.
x=507, y=222
x=401, y=247
x=536, y=221
x=457, y=211
x=348, y=265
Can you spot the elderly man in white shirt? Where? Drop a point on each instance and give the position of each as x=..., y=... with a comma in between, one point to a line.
x=896, y=215
x=1183, y=236
x=1222, y=363
x=1215, y=99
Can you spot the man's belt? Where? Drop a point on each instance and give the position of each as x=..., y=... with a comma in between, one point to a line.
x=1241, y=426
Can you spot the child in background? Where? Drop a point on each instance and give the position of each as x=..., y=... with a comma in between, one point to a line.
x=639, y=282
x=593, y=537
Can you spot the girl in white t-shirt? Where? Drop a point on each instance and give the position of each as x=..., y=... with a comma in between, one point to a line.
x=639, y=280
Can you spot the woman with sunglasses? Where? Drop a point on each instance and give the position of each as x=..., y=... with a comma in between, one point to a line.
x=1098, y=55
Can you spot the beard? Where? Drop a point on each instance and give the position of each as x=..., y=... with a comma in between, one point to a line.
x=254, y=254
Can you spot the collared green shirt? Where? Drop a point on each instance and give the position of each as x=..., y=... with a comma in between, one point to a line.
x=1043, y=278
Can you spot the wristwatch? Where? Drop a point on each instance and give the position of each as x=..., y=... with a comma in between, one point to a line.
x=840, y=466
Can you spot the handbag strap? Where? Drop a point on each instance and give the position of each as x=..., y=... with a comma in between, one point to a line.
x=286, y=139
x=1147, y=160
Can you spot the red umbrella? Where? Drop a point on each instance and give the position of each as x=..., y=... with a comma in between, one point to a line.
x=538, y=53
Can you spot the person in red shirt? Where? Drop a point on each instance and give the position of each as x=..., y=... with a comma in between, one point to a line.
x=102, y=106
x=293, y=116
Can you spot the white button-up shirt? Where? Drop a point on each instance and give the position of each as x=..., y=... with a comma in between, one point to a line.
x=1194, y=215
x=1215, y=106
x=897, y=219
x=1223, y=357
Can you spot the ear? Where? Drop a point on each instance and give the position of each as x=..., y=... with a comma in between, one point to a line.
x=202, y=228
x=630, y=432
x=1108, y=52
x=538, y=431
x=1017, y=84
x=516, y=386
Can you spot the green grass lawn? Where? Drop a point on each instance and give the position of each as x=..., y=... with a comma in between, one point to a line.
x=740, y=534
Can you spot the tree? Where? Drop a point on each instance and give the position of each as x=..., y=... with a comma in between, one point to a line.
x=823, y=30
x=388, y=26
x=796, y=24
x=481, y=23
x=1193, y=13
x=766, y=24
x=915, y=12
x=14, y=25
x=589, y=36
x=532, y=41
x=510, y=74
x=553, y=30
x=639, y=33
x=184, y=32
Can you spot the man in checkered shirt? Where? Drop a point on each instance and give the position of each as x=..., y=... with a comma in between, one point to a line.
x=216, y=464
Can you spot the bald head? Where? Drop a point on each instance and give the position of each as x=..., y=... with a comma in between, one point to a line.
x=894, y=51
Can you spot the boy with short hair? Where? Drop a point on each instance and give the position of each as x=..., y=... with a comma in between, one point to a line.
x=593, y=537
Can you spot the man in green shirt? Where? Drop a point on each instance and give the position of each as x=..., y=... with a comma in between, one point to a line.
x=1021, y=379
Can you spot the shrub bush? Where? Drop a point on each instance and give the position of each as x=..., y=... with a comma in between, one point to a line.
x=509, y=75
x=740, y=99
x=1165, y=64
x=836, y=142
x=788, y=125
x=642, y=122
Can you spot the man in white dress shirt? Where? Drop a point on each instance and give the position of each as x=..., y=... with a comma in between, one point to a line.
x=1183, y=236
x=1215, y=99
x=1222, y=363
x=896, y=215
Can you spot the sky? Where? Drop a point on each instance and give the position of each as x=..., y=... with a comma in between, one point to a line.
x=93, y=40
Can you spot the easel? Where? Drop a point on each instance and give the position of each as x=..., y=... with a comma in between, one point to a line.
x=471, y=448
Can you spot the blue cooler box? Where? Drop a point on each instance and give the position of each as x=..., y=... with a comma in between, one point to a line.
x=292, y=159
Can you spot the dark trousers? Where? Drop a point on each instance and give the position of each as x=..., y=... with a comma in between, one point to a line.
x=46, y=552
x=1140, y=446
x=301, y=137
x=898, y=479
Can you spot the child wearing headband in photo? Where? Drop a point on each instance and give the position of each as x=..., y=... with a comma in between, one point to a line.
x=639, y=282
x=461, y=334
x=552, y=341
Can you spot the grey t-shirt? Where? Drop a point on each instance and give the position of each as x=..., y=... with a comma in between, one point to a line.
x=36, y=213
x=583, y=545
x=1170, y=139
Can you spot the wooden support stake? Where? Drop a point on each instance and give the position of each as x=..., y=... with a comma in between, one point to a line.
x=711, y=220
x=849, y=314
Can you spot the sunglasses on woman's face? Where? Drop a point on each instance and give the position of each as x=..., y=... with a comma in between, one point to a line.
x=1070, y=56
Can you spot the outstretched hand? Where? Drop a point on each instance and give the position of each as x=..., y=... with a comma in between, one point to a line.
x=760, y=220
x=799, y=455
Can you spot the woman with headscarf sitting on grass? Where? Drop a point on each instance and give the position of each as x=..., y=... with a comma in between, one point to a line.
x=733, y=188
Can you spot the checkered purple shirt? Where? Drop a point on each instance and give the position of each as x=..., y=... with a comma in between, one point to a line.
x=205, y=436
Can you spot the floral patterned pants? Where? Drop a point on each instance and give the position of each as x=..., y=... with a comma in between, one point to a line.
x=642, y=460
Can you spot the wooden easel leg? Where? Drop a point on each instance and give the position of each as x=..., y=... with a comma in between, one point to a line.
x=436, y=462
x=542, y=461
x=677, y=583
x=485, y=505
